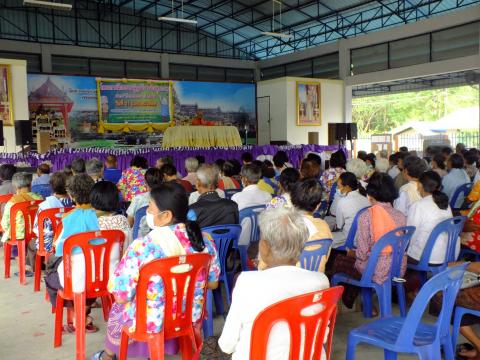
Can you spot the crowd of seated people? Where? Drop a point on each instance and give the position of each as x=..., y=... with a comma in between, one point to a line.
x=396, y=190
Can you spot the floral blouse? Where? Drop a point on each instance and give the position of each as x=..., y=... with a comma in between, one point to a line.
x=329, y=177
x=132, y=183
x=123, y=283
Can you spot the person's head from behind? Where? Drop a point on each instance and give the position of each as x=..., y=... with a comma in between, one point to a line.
x=153, y=177
x=347, y=182
x=237, y=167
x=219, y=163
x=246, y=158
x=22, y=182
x=403, y=149
x=283, y=234
x=393, y=159
x=338, y=160
x=111, y=162
x=362, y=155
x=105, y=197
x=357, y=167
x=438, y=162
x=78, y=166
x=280, y=159
x=250, y=174
x=139, y=162
x=191, y=165
x=381, y=188
x=207, y=178
x=309, y=169
x=67, y=170
x=306, y=195
x=169, y=206
x=446, y=152
x=413, y=168
x=268, y=171
x=79, y=188
x=200, y=159
x=288, y=178
x=314, y=157
x=94, y=169
x=7, y=171
x=43, y=169
x=460, y=148
x=401, y=158
x=58, y=183
x=228, y=169
x=471, y=158
x=382, y=165
x=430, y=183
x=169, y=172
x=370, y=160
x=166, y=160
x=455, y=162
x=383, y=154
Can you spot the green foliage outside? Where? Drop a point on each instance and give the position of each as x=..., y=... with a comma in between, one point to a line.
x=381, y=114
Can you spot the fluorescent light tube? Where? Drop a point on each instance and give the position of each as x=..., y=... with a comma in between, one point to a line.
x=47, y=5
x=179, y=20
x=279, y=35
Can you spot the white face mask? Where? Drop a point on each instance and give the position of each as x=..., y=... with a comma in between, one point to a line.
x=150, y=220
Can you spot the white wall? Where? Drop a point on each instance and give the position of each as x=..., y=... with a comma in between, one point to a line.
x=283, y=108
x=18, y=70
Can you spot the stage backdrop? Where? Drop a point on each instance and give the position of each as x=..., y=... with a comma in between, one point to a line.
x=82, y=109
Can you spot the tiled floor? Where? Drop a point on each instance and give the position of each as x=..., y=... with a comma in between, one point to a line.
x=26, y=327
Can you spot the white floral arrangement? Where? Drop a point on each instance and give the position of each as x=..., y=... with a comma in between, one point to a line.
x=22, y=164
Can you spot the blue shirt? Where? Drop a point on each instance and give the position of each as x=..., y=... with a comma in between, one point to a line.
x=42, y=180
x=452, y=181
x=112, y=174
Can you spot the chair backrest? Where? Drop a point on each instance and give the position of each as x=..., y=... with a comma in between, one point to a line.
x=96, y=246
x=55, y=217
x=251, y=213
x=352, y=233
x=307, y=317
x=333, y=190
x=397, y=240
x=139, y=215
x=43, y=190
x=5, y=198
x=313, y=253
x=28, y=209
x=452, y=227
x=224, y=235
x=462, y=190
x=180, y=275
x=230, y=192
x=448, y=282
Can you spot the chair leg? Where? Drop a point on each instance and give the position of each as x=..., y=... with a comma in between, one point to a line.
x=156, y=348
x=429, y=352
x=218, y=299
x=7, y=255
x=106, y=306
x=124, y=346
x=367, y=302
x=38, y=272
x=80, y=311
x=57, y=337
x=227, y=289
x=21, y=261
x=456, y=325
x=186, y=347
x=208, y=320
x=402, y=303
x=448, y=352
x=384, y=294
x=351, y=345
x=389, y=355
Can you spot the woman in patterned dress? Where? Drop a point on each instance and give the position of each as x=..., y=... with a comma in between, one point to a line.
x=132, y=181
x=172, y=235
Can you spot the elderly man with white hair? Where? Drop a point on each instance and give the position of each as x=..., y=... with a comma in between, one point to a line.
x=191, y=166
x=282, y=236
x=94, y=169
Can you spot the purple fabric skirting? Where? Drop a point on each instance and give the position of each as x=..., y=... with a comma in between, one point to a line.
x=60, y=158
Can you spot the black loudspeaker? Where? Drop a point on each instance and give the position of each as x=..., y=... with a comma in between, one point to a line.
x=346, y=131
x=23, y=132
x=2, y=140
x=352, y=132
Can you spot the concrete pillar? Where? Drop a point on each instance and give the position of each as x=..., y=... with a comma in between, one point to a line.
x=46, y=55
x=165, y=66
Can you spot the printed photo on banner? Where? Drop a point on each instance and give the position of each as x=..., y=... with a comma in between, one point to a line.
x=6, y=110
x=308, y=104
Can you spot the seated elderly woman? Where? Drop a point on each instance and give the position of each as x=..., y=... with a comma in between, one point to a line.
x=330, y=176
x=282, y=235
x=22, y=183
x=94, y=168
x=132, y=181
x=310, y=169
x=379, y=219
x=191, y=166
x=268, y=183
x=227, y=181
x=287, y=180
x=172, y=235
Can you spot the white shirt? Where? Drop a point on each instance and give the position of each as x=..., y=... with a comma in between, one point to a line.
x=348, y=206
x=253, y=292
x=249, y=196
x=425, y=215
x=394, y=171
x=404, y=201
x=195, y=195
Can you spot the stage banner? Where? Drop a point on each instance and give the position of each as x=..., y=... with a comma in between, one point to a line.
x=126, y=105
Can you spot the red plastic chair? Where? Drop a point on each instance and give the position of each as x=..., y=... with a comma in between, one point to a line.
x=177, y=319
x=28, y=210
x=3, y=200
x=55, y=219
x=299, y=311
x=98, y=256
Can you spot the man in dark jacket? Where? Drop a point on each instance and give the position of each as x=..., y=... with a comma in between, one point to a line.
x=210, y=208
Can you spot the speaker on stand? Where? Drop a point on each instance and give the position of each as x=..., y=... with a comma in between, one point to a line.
x=23, y=134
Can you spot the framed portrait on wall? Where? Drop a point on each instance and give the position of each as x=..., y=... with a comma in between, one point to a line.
x=6, y=110
x=308, y=104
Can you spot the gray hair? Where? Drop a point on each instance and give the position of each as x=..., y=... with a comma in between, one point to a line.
x=358, y=167
x=191, y=164
x=207, y=175
x=252, y=173
x=21, y=180
x=94, y=167
x=285, y=232
x=382, y=165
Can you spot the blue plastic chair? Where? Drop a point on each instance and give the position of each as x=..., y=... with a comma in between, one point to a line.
x=398, y=239
x=452, y=227
x=408, y=334
x=459, y=312
x=462, y=190
x=464, y=252
x=224, y=236
x=352, y=233
x=138, y=216
x=313, y=252
x=230, y=192
x=44, y=190
x=250, y=213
